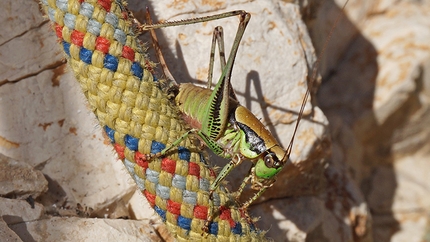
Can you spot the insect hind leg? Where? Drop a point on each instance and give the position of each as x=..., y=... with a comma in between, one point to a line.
x=217, y=38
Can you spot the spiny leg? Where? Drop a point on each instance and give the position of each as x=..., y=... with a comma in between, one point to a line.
x=218, y=108
x=244, y=19
x=222, y=110
x=217, y=37
x=170, y=79
x=215, y=184
x=255, y=184
x=144, y=27
x=239, y=191
x=255, y=197
x=243, y=184
x=235, y=161
x=172, y=145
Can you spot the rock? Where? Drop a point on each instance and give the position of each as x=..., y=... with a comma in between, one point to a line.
x=376, y=99
x=15, y=211
x=20, y=180
x=51, y=127
x=78, y=229
x=6, y=233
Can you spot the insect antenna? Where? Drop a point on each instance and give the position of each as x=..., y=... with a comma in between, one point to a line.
x=311, y=82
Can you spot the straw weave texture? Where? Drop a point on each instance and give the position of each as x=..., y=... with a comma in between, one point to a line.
x=117, y=78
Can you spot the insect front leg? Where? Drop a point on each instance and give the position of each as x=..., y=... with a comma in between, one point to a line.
x=173, y=144
x=255, y=197
x=221, y=176
x=225, y=171
x=261, y=185
x=243, y=184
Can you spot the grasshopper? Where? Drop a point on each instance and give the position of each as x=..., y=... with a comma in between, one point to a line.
x=229, y=129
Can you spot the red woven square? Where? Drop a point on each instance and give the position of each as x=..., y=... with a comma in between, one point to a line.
x=102, y=44
x=59, y=31
x=105, y=4
x=200, y=212
x=194, y=169
x=77, y=38
x=141, y=160
x=120, y=150
x=150, y=197
x=128, y=53
x=173, y=207
x=225, y=214
x=168, y=165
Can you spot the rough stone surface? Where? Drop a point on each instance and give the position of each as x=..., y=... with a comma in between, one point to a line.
x=376, y=97
x=17, y=211
x=20, y=180
x=80, y=229
x=7, y=234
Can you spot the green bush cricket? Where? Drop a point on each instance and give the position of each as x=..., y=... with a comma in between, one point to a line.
x=227, y=128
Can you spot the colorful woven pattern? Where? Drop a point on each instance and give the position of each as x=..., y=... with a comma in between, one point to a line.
x=116, y=77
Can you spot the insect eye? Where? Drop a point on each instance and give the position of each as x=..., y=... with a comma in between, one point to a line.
x=271, y=161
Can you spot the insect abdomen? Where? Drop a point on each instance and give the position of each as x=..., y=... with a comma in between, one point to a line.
x=192, y=101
